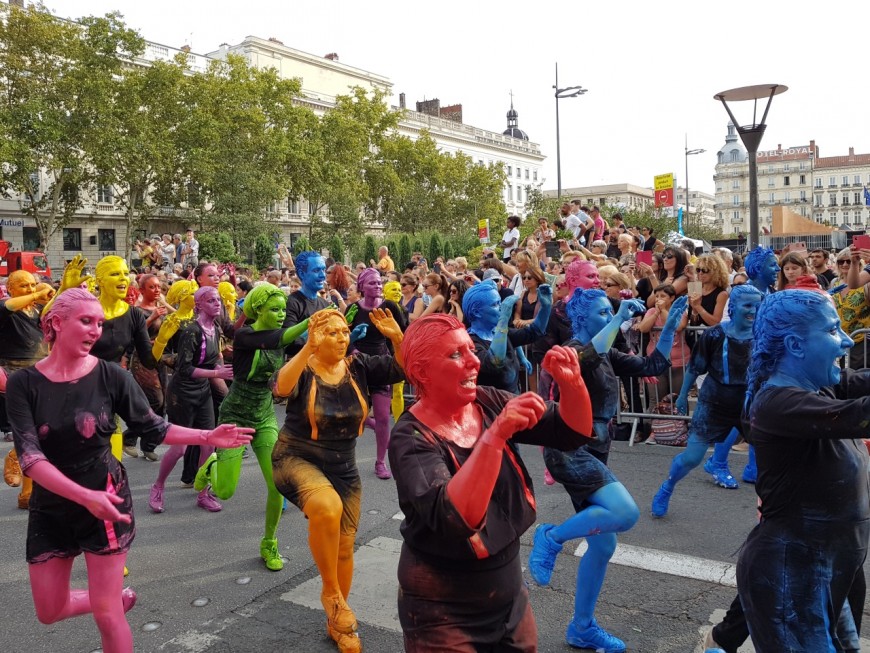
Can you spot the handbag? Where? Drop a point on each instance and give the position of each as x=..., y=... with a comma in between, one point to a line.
x=669, y=432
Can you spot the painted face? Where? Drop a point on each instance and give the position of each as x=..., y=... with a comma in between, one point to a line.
x=228, y=292
x=487, y=310
x=393, y=291
x=272, y=314
x=600, y=314
x=334, y=339
x=314, y=276
x=77, y=332
x=587, y=278
x=372, y=288
x=151, y=290
x=792, y=271
x=743, y=311
x=21, y=283
x=825, y=342
x=115, y=280
x=768, y=272
x=453, y=367
x=209, y=277
x=209, y=304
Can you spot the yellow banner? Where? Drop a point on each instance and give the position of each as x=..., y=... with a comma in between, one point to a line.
x=663, y=182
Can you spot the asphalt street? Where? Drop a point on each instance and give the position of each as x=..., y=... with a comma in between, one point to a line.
x=202, y=587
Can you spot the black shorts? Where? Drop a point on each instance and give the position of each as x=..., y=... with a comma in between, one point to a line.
x=60, y=528
x=579, y=472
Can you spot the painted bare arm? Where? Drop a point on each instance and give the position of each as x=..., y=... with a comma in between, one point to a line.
x=43, y=294
x=470, y=490
x=294, y=332
x=542, y=319
x=100, y=504
x=289, y=374
x=603, y=340
x=498, y=348
x=575, y=407
x=669, y=330
x=224, y=436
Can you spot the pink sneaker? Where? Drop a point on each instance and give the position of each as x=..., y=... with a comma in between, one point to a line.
x=548, y=477
x=155, y=498
x=381, y=471
x=206, y=501
x=128, y=598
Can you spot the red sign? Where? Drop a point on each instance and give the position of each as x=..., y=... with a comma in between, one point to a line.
x=664, y=197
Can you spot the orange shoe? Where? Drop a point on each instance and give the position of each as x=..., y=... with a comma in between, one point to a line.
x=12, y=470
x=24, y=501
x=339, y=616
x=347, y=643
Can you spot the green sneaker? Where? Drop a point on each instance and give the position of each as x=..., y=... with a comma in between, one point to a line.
x=203, y=476
x=269, y=554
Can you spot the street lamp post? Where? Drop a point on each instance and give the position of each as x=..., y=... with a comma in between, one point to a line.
x=561, y=94
x=688, y=154
x=751, y=136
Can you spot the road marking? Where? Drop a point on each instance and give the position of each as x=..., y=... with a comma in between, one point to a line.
x=673, y=564
x=399, y=516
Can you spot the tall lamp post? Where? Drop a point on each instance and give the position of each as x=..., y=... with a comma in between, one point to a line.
x=688, y=154
x=751, y=137
x=561, y=94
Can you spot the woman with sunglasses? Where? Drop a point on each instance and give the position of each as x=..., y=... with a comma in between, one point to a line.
x=527, y=307
x=853, y=304
x=707, y=307
x=411, y=300
x=455, y=294
x=436, y=287
x=674, y=261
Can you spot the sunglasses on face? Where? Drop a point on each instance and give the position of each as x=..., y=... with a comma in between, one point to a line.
x=453, y=291
x=527, y=277
x=844, y=262
x=668, y=257
x=610, y=285
x=703, y=271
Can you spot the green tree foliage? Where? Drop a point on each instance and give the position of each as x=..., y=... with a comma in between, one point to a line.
x=302, y=245
x=436, y=247
x=54, y=91
x=370, y=250
x=264, y=249
x=417, y=246
x=217, y=246
x=336, y=248
x=404, y=250
x=448, y=250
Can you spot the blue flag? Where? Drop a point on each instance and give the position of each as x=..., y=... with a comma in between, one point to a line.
x=866, y=196
x=680, y=217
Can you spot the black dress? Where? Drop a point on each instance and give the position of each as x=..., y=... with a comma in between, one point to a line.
x=70, y=425
x=189, y=400
x=461, y=586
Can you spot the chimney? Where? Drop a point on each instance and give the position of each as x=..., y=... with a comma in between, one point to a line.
x=401, y=100
x=185, y=48
x=332, y=56
x=851, y=152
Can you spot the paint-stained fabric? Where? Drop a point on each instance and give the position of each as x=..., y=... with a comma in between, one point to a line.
x=70, y=424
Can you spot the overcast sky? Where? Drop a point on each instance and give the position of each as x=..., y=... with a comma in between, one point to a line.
x=651, y=68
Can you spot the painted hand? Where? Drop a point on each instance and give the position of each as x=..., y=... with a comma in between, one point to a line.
x=519, y=414
x=676, y=313
x=102, y=506
x=229, y=436
x=224, y=372
x=359, y=332
x=682, y=404
x=628, y=308
x=385, y=323
x=563, y=365
x=528, y=365
x=507, y=307
x=351, y=313
x=545, y=294
x=44, y=292
x=72, y=273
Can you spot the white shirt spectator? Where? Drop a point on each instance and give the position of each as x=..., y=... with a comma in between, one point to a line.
x=510, y=235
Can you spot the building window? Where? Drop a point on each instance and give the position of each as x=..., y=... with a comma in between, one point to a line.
x=31, y=239
x=802, y=165
x=527, y=173
x=845, y=180
x=510, y=171
x=803, y=196
x=292, y=206
x=72, y=240
x=735, y=184
x=735, y=200
x=832, y=199
x=845, y=199
x=735, y=216
x=106, y=238
x=519, y=193
x=803, y=180
x=510, y=193
x=857, y=199
x=832, y=181
x=786, y=168
x=311, y=208
x=771, y=198
x=534, y=175
x=818, y=182
x=105, y=195
x=735, y=156
x=857, y=180
x=787, y=197
x=818, y=201
x=786, y=181
x=770, y=182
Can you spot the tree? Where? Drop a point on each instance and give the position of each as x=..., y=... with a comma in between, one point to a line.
x=137, y=149
x=54, y=93
x=538, y=206
x=436, y=248
x=336, y=248
x=417, y=246
x=370, y=251
x=242, y=130
x=404, y=249
x=264, y=250
x=448, y=250
x=217, y=246
x=302, y=245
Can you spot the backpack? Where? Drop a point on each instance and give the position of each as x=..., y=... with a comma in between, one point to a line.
x=669, y=432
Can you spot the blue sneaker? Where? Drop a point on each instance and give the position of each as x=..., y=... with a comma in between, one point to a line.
x=710, y=466
x=542, y=559
x=750, y=473
x=593, y=637
x=661, y=499
x=723, y=478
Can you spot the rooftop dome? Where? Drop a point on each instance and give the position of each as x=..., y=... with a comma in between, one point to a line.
x=512, y=128
x=733, y=150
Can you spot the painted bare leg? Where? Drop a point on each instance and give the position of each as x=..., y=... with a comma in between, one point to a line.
x=381, y=409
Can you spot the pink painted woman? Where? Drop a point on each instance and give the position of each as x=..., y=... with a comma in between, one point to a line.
x=62, y=412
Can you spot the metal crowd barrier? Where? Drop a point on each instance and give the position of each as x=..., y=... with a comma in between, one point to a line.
x=858, y=362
